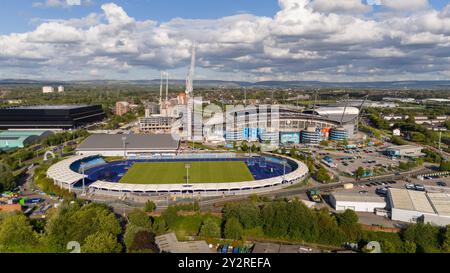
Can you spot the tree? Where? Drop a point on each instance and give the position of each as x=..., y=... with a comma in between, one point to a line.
x=247, y=213
x=348, y=222
x=244, y=146
x=446, y=239
x=425, y=236
x=101, y=242
x=359, y=173
x=210, y=229
x=140, y=219
x=233, y=229
x=75, y=222
x=322, y=175
x=159, y=226
x=397, y=140
x=16, y=234
x=150, y=206
x=7, y=179
x=144, y=241
x=444, y=166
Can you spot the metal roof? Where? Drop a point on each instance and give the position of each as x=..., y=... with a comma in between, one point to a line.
x=440, y=202
x=133, y=142
x=410, y=200
x=357, y=197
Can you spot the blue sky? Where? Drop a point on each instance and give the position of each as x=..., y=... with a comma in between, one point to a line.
x=328, y=40
x=17, y=15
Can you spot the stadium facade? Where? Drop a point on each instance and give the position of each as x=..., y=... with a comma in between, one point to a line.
x=280, y=124
x=67, y=174
x=52, y=117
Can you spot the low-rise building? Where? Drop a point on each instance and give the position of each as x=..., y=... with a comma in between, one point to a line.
x=342, y=201
x=416, y=206
x=404, y=151
x=19, y=139
x=169, y=243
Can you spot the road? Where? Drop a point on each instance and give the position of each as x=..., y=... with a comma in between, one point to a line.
x=216, y=204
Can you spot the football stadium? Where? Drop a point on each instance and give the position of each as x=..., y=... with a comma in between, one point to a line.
x=196, y=174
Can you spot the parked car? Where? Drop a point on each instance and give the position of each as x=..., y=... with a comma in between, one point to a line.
x=410, y=186
x=381, y=191
x=419, y=187
x=363, y=192
x=441, y=184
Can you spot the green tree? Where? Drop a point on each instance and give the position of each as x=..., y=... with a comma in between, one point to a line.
x=444, y=166
x=247, y=213
x=101, y=242
x=322, y=175
x=446, y=239
x=16, y=234
x=210, y=229
x=140, y=219
x=409, y=247
x=359, y=173
x=244, y=146
x=144, y=241
x=233, y=229
x=7, y=179
x=150, y=206
x=348, y=222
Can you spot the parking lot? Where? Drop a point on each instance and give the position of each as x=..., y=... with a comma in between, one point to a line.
x=372, y=158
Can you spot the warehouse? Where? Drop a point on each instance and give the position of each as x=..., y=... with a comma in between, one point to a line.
x=415, y=206
x=404, y=151
x=51, y=117
x=341, y=201
x=128, y=145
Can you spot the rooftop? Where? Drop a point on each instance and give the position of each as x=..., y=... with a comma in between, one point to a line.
x=139, y=142
x=357, y=197
x=50, y=107
x=404, y=147
x=169, y=243
x=410, y=200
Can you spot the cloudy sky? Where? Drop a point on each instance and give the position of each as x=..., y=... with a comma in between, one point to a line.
x=328, y=40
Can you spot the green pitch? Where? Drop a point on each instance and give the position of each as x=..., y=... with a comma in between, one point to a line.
x=175, y=173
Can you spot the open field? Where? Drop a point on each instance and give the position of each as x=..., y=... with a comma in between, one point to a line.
x=175, y=173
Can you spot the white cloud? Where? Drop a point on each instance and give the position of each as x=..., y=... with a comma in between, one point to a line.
x=405, y=5
x=306, y=39
x=340, y=6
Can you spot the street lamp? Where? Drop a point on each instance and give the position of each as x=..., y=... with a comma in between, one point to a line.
x=284, y=168
x=83, y=166
x=187, y=166
x=124, y=141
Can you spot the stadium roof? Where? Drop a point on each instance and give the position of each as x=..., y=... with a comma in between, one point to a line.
x=133, y=142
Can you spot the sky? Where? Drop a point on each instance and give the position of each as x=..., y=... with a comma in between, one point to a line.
x=251, y=40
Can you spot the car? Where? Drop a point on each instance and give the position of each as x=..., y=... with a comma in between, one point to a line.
x=419, y=187
x=381, y=191
x=410, y=186
x=369, y=185
x=441, y=184
x=363, y=192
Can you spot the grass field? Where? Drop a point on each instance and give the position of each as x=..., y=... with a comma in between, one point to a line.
x=175, y=173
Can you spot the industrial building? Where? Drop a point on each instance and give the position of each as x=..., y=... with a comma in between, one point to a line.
x=404, y=151
x=128, y=145
x=416, y=206
x=52, y=117
x=169, y=243
x=19, y=139
x=341, y=201
x=48, y=89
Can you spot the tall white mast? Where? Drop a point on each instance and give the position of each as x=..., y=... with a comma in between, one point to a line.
x=190, y=96
x=167, y=88
x=160, y=90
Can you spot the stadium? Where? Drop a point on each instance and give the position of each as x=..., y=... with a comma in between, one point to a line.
x=184, y=175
